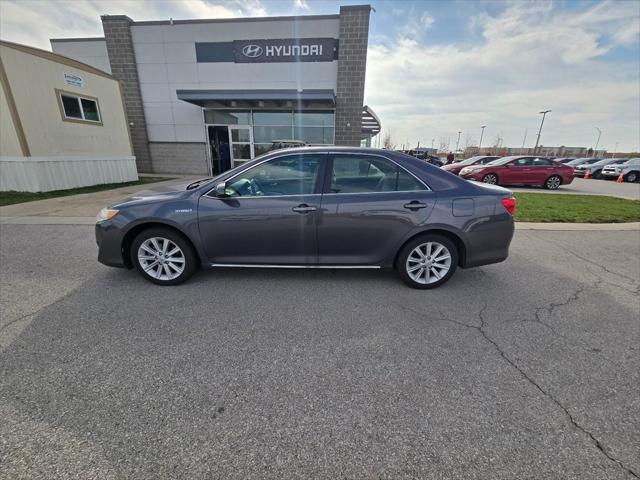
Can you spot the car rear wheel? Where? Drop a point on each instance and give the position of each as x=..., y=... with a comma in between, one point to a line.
x=553, y=182
x=631, y=177
x=490, y=178
x=428, y=261
x=163, y=256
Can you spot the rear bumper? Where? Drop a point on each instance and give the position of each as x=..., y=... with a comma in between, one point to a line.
x=489, y=243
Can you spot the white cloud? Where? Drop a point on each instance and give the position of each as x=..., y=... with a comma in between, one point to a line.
x=34, y=22
x=530, y=58
x=301, y=4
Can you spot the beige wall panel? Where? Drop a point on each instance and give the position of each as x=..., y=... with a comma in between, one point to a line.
x=9, y=143
x=33, y=81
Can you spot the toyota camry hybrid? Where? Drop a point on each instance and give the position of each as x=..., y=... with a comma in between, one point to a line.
x=313, y=207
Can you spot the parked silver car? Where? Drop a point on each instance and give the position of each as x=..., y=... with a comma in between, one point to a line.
x=630, y=170
x=595, y=169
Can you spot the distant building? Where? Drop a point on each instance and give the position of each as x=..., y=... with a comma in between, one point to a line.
x=543, y=151
x=62, y=123
x=200, y=91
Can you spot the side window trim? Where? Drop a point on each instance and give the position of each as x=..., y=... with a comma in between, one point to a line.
x=326, y=190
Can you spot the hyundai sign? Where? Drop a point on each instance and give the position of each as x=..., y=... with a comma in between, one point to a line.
x=269, y=51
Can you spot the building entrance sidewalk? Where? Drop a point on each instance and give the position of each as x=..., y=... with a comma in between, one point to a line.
x=78, y=209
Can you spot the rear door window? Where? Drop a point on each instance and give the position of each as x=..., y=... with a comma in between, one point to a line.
x=522, y=162
x=353, y=173
x=541, y=162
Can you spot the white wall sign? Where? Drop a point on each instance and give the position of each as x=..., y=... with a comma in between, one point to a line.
x=73, y=80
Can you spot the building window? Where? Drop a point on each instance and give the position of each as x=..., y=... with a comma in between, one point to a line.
x=75, y=108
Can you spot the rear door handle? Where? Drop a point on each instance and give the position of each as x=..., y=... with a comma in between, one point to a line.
x=415, y=205
x=304, y=208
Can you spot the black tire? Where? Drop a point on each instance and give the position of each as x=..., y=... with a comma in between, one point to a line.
x=597, y=174
x=631, y=177
x=490, y=178
x=187, y=253
x=402, y=263
x=553, y=182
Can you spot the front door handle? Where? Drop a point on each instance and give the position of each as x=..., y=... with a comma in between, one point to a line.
x=415, y=205
x=304, y=208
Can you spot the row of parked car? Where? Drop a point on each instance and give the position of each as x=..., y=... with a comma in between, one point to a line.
x=540, y=171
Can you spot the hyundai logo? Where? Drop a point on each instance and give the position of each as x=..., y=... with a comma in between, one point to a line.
x=252, y=51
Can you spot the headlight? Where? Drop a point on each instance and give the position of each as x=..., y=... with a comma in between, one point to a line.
x=106, y=214
x=464, y=170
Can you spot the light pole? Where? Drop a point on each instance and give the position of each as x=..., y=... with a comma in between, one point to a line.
x=481, y=135
x=597, y=141
x=544, y=114
x=458, y=142
x=523, y=140
x=615, y=150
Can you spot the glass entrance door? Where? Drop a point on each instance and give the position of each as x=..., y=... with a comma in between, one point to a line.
x=241, y=141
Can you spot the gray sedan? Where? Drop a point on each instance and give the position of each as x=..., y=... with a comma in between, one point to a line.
x=313, y=207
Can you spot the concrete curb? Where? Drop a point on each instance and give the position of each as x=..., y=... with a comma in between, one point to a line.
x=55, y=220
x=609, y=227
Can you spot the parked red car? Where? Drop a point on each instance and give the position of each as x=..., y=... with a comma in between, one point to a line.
x=521, y=171
x=457, y=166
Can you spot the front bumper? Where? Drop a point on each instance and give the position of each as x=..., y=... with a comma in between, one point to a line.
x=109, y=240
x=579, y=173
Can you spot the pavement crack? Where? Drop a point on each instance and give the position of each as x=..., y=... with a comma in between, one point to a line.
x=480, y=328
x=547, y=394
x=632, y=280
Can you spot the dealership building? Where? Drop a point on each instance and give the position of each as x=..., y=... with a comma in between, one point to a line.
x=205, y=95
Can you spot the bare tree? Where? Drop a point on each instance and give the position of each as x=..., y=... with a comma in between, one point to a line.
x=469, y=141
x=443, y=145
x=387, y=141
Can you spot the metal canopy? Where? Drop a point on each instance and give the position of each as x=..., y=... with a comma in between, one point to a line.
x=370, y=122
x=209, y=98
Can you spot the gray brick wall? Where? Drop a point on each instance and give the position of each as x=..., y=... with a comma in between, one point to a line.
x=352, y=66
x=117, y=34
x=174, y=157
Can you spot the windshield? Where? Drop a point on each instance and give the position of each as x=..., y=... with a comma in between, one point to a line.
x=469, y=161
x=633, y=161
x=501, y=161
x=580, y=161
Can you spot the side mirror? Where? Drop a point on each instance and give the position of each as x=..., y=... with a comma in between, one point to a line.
x=221, y=189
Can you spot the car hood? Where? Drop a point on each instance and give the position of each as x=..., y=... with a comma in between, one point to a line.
x=473, y=168
x=158, y=193
x=453, y=166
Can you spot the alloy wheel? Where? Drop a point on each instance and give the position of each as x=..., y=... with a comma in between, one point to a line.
x=553, y=183
x=632, y=177
x=490, y=178
x=160, y=258
x=428, y=263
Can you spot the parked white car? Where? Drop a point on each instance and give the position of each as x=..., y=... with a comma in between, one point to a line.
x=630, y=170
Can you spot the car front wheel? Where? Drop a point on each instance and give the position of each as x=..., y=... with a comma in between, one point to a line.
x=163, y=256
x=553, y=183
x=428, y=261
x=490, y=178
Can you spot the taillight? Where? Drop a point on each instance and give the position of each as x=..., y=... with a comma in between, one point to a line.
x=509, y=205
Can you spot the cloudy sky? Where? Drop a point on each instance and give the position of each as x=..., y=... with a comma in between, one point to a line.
x=439, y=67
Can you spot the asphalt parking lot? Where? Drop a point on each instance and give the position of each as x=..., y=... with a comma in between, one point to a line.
x=526, y=369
